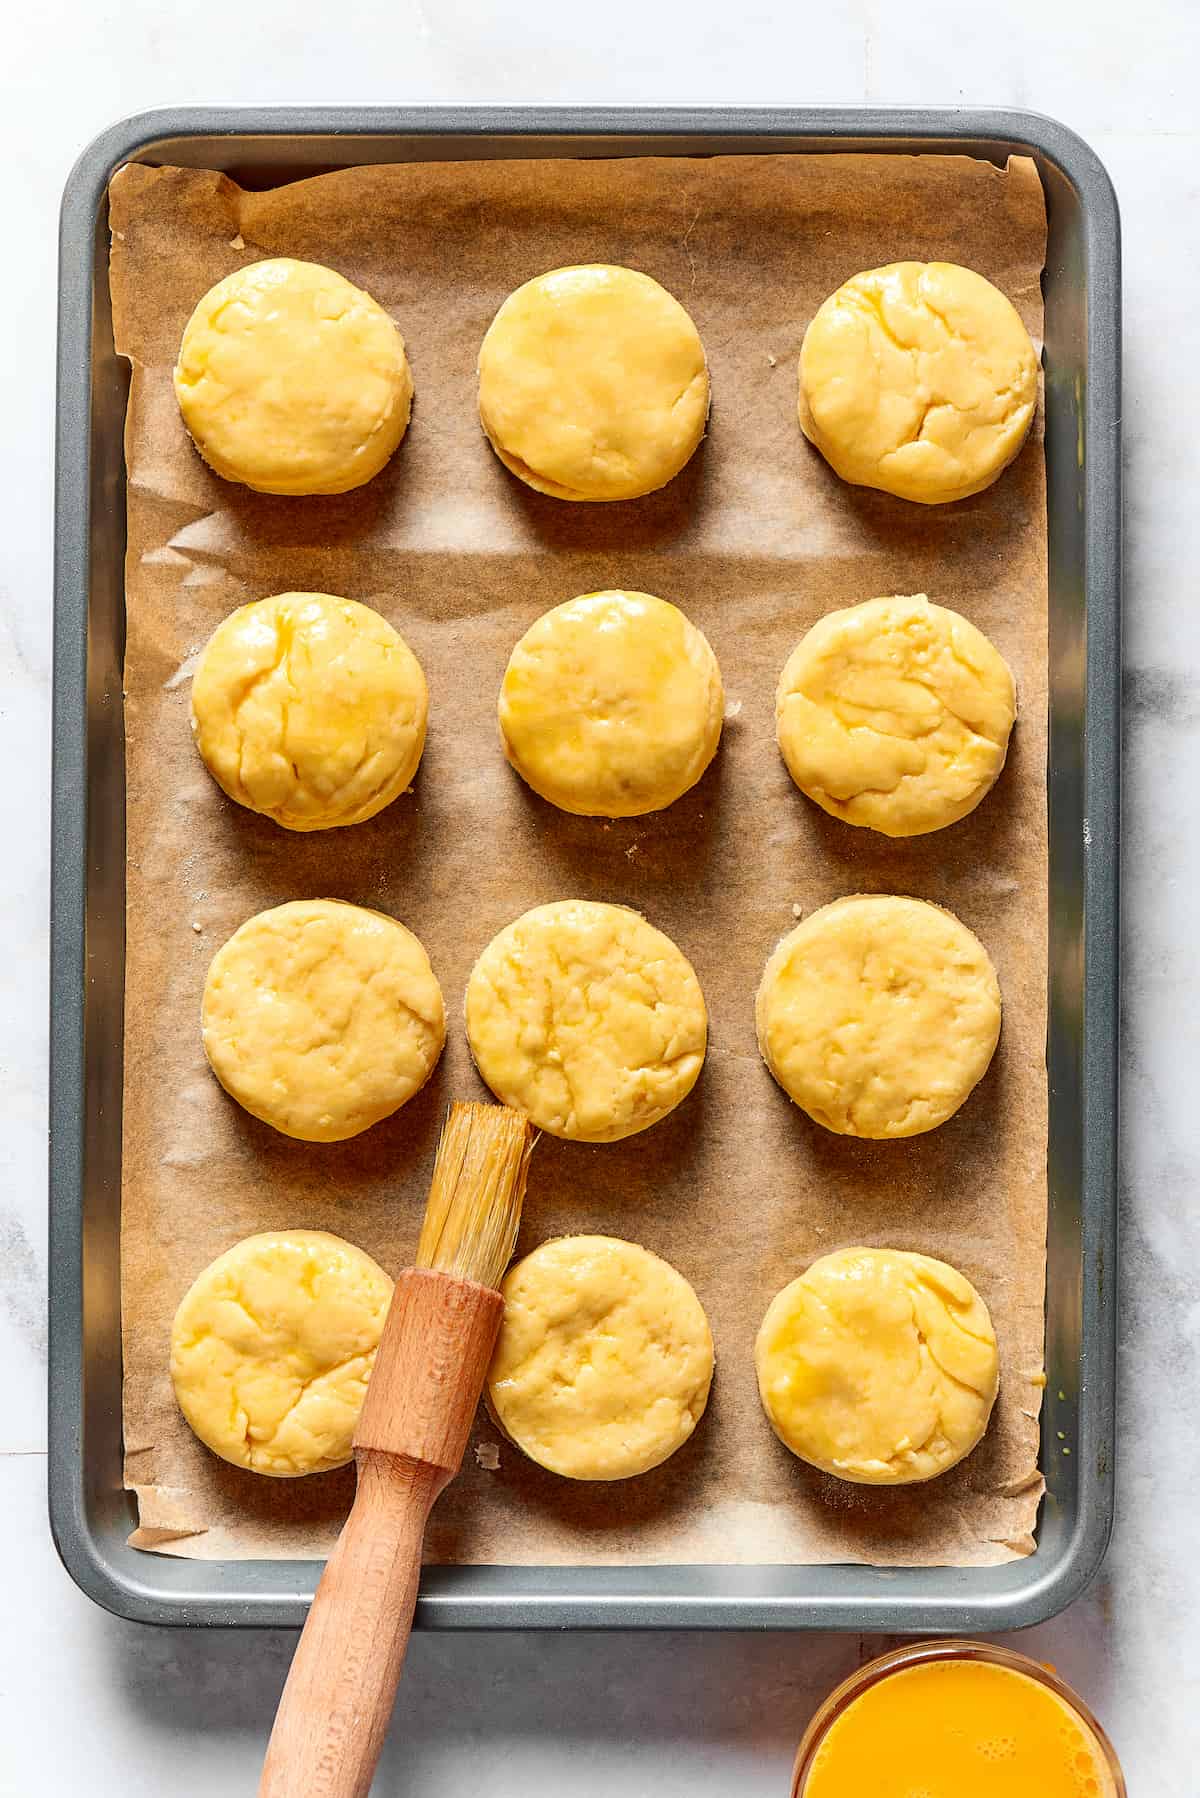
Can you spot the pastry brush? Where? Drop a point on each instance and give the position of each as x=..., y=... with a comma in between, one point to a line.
x=424, y=1387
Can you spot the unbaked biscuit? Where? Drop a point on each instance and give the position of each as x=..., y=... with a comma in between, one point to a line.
x=291, y=380
x=878, y=1015
x=611, y=705
x=272, y=1348
x=918, y=378
x=593, y=384
x=322, y=1018
x=895, y=714
x=310, y=709
x=587, y=1019
x=878, y=1366
x=604, y=1359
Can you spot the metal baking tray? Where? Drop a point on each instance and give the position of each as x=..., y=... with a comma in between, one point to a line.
x=90, y=1512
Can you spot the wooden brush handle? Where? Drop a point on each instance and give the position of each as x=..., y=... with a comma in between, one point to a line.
x=428, y=1374
x=333, y=1716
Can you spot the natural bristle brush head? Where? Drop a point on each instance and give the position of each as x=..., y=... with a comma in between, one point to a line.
x=475, y=1196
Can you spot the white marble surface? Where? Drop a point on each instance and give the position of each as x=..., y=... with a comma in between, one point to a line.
x=91, y=1704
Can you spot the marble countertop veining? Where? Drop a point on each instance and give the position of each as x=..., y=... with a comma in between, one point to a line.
x=88, y=1703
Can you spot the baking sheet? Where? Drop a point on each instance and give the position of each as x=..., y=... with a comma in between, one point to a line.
x=756, y=539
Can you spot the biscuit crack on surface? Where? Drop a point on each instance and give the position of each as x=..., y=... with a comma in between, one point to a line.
x=875, y=307
x=943, y=321
x=944, y=1371
x=259, y=1446
x=919, y=432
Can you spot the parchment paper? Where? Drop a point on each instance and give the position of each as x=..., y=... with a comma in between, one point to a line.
x=755, y=540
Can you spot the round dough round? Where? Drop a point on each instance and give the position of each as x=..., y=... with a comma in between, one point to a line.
x=272, y=1348
x=878, y=1366
x=920, y=379
x=612, y=705
x=322, y=1018
x=291, y=380
x=604, y=1359
x=587, y=1019
x=895, y=714
x=310, y=709
x=593, y=384
x=878, y=1015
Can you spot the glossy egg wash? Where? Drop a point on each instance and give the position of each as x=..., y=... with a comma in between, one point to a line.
x=958, y=1729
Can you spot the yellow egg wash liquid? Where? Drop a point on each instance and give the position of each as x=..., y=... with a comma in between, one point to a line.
x=959, y=1729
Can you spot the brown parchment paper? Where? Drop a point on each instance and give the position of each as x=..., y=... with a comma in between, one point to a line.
x=755, y=540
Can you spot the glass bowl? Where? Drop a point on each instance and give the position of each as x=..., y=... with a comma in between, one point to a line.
x=840, y=1700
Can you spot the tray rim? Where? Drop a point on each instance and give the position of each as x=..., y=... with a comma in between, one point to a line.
x=1032, y=1598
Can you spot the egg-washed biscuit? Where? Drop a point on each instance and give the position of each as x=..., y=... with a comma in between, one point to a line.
x=604, y=1358
x=593, y=384
x=309, y=709
x=878, y=1015
x=587, y=1019
x=291, y=380
x=321, y=1018
x=878, y=1366
x=920, y=379
x=612, y=705
x=272, y=1348
x=895, y=714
